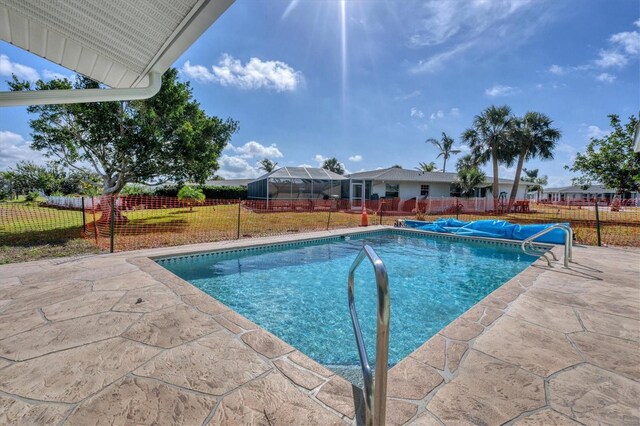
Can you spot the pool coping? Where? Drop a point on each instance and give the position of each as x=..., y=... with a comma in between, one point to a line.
x=402, y=390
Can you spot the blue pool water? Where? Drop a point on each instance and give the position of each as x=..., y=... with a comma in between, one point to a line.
x=300, y=293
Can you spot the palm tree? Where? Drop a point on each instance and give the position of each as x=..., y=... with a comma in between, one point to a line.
x=267, y=165
x=445, y=145
x=424, y=167
x=534, y=138
x=489, y=140
x=333, y=165
x=469, y=179
x=466, y=162
x=534, y=181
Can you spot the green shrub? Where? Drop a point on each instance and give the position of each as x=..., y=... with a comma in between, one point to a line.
x=32, y=196
x=191, y=195
x=210, y=192
x=136, y=189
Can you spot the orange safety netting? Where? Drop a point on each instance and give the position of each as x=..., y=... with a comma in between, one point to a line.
x=144, y=221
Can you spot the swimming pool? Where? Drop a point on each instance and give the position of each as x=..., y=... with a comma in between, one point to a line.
x=298, y=291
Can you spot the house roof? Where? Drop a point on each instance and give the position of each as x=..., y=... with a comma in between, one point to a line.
x=115, y=43
x=302, y=173
x=228, y=182
x=592, y=189
x=395, y=174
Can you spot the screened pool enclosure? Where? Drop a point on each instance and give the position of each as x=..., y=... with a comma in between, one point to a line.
x=298, y=183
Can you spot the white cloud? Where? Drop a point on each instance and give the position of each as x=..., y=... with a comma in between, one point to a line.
x=500, y=90
x=254, y=149
x=415, y=112
x=320, y=159
x=437, y=62
x=52, y=75
x=235, y=167
x=408, y=95
x=455, y=26
x=595, y=132
x=21, y=71
x=557, y=70
x=234, y=161
x=255, y=74
x=606, y=77
x=198, y=73
x=14, y=148
x=437, y=115
x=444, y=20
x=355, y=158
x=637, y=23
x=628, y=41
x=455, y=112
x=623, y=46
x=610, y=59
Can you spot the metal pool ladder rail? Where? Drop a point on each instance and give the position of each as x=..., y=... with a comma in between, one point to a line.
x=568, y=243
x=375, y=392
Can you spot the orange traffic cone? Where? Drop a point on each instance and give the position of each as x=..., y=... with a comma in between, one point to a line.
x=365, y=218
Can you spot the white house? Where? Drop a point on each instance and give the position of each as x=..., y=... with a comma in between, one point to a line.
x=585, y=193
x=407, y=184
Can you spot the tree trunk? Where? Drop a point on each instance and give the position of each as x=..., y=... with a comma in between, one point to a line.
x=496, y=187
x=516, y=179
x=444, y=166
x=105, y=208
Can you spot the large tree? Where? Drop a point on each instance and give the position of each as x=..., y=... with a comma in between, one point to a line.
x=445, y=146
x=533, y=137
x=610, y=160
x=164, y=138
x=489, y=140
x=333, y=165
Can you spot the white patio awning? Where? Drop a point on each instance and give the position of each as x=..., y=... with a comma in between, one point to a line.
x=117, y=42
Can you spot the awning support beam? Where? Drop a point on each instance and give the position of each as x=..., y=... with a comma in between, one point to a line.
x=73, y=96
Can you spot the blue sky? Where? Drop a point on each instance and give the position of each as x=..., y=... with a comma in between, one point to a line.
x=369, y=81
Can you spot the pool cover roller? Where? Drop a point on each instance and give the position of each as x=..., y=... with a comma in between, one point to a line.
x=491, y=229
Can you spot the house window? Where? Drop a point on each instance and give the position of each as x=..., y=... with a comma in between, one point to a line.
x=424, y=190
x=391, y=191
x=454, y=190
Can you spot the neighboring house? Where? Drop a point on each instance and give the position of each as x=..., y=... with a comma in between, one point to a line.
x=584, y=193
x=407, y=184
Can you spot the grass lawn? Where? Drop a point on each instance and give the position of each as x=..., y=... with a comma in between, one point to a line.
x=29, y=231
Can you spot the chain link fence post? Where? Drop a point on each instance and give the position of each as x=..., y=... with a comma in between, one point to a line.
x=238, y=222
x=598, y=224
x=95, y=224
x=84, y=219
x=112, y=219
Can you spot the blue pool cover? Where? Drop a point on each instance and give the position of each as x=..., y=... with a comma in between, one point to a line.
x=491, y=229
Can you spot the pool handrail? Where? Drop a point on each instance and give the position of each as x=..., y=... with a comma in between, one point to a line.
x=375, y=392
x=568, y=243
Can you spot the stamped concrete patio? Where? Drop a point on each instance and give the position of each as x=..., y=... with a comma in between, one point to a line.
x=116, y=339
